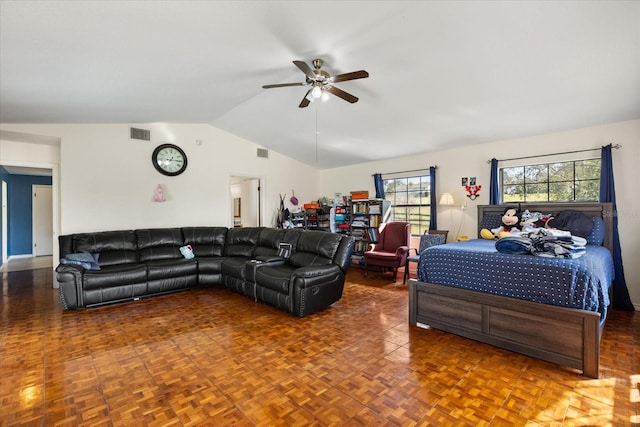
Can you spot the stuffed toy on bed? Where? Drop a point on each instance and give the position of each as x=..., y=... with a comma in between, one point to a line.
x=510, y=220
x=532, y=220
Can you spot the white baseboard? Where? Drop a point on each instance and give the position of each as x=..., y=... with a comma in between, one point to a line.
x=19, y=256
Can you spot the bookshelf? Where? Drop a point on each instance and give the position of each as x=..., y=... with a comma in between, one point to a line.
x=366, y=217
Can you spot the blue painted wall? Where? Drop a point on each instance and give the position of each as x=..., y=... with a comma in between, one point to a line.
x=4, y=176
x=20, y=212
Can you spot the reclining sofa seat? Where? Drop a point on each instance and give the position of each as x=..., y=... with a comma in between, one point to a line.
x=238, y=250
x=121, y=276
x=208, y=246
x=167, y=269
x=311, y=279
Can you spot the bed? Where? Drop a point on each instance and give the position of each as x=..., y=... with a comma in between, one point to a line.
x=562, y=326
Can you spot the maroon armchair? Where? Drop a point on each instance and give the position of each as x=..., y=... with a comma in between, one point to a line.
x=391, y=249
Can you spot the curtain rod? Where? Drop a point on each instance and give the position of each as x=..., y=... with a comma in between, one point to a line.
x=555, y=154
x=414, y=170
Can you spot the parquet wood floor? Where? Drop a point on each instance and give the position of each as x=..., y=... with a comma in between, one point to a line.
x=215, y=358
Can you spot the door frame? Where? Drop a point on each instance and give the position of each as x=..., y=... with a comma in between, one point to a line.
x=261, y=195
x=34, y=187
x=55, y=201
x=5, y=227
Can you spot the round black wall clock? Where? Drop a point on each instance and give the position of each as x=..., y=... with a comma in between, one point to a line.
x=169, y=159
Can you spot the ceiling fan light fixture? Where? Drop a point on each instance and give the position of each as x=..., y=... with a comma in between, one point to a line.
x=316, y=92
x=320, y=83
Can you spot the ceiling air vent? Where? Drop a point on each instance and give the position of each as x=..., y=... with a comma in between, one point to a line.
x=264, y=153
x=141, y=134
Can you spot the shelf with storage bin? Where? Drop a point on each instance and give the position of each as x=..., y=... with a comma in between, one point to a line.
x=324, y=220
x=342, y=219
x=311, y=216
x=299, y=219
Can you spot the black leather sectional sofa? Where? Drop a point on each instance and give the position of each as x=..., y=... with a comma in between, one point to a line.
x=138, y=263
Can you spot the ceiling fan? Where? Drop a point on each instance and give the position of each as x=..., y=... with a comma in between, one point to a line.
x=321, y=82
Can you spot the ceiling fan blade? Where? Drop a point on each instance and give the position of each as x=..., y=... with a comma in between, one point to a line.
x=305, y=69
x=284, y=85
x=305, y=101
x=362, y=74
x=342, y=94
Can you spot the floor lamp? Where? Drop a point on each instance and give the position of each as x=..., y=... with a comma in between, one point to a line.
x=447, y=200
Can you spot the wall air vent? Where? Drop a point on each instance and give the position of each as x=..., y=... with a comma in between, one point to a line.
x=264, y=153
x=141, y=134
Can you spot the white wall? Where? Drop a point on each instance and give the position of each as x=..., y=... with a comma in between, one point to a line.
x=472, y=161
x=28, y=154
x=107, y=180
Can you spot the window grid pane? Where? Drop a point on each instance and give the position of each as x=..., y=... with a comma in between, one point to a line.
x=559, y=181
x=410, y=201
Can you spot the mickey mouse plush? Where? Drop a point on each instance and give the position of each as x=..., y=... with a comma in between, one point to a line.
x=510, y=220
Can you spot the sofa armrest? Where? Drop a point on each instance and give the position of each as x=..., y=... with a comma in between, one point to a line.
x=270, y=259
x=260, y=261
x=311, y=274
x=69, y=276
x=76, y=271
x=316, y=287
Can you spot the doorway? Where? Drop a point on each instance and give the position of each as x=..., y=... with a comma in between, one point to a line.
x=25, y=233
x=4, y=222
x=246, y=201
x=42, y=224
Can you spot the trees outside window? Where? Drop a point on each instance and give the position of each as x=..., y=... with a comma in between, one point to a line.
x=410, y=201
x=577, y=180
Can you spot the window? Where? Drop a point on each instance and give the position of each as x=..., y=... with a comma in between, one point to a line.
x=410, y=201
x=554, y=182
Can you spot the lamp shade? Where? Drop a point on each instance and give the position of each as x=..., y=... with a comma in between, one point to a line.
x=447, y=199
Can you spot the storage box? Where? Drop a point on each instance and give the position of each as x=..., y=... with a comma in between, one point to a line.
x=311, y=205
x=359, y=195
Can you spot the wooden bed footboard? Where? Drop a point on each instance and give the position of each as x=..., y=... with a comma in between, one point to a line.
x=565, y=336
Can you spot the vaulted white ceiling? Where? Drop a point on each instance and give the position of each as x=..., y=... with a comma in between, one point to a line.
x=442, y=73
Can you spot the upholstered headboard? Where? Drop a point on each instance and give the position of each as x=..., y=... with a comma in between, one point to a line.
x=487, y=214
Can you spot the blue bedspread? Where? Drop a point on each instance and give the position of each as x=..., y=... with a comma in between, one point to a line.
x=476, y=265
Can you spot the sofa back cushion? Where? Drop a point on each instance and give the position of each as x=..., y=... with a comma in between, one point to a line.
x=159, y=243
x=315, y=248
x=242, y=241
x=205, y=241
x=269, y=242
x=291, y=237
x=114, y=247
